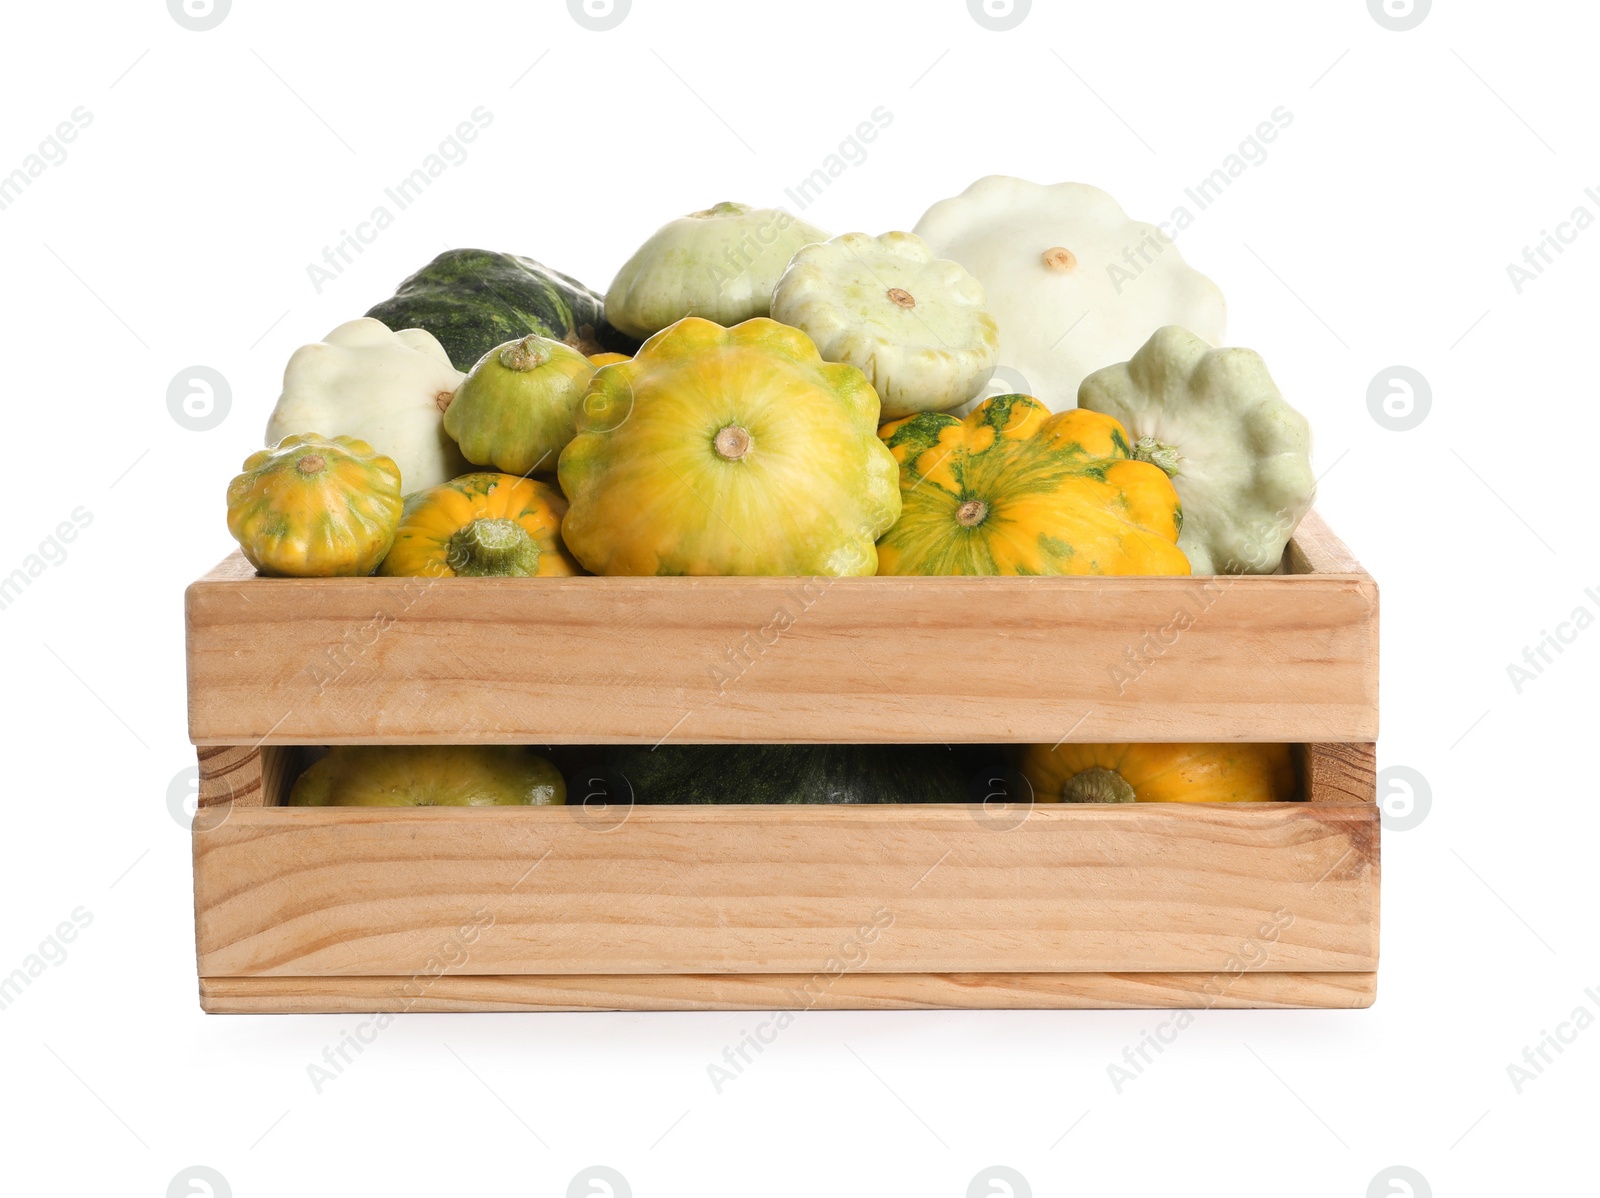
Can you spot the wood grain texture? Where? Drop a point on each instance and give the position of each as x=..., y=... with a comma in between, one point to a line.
x=1315, y=550
x=1339, y=773
x=232, y=774
x=1288, y=657
x=739, y=889
x=779, y=992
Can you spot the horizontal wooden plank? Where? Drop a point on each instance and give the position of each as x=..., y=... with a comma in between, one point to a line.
x=1289, y=657
x=786, y=992
x=1291, y=887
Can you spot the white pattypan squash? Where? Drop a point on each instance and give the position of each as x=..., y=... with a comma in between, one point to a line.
x=386, y=388
x=914, y=324
x=1073, y=282
x=1237, y=453
x=719, y=264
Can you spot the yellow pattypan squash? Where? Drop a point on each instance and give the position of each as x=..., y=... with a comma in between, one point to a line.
x=1014, y=490
x=728, y=451
x=313, y=507
x=1145, y=773
x=429, y=776
x=481, y=525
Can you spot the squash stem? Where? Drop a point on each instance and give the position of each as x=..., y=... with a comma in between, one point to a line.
x=1097, y=785
x=1158, y=453
x=528, y=354
x=493, y=548
x=732, y=443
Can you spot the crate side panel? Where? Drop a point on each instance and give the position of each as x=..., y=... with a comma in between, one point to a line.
x=599, y=660
x=1286, y=887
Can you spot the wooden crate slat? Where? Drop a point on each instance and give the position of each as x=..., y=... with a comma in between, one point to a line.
x=767, y=992
x=740, y=889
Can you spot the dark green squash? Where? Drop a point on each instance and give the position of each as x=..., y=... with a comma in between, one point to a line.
x=788, y=774
x=474, y=300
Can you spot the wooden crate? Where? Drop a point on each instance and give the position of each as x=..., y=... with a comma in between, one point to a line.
x=593, y=907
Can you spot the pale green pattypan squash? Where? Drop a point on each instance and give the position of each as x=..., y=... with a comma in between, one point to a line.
x=1238, y=454
x=915, y=325
x=1073, y=282
x=719, y=264
x=385, y=388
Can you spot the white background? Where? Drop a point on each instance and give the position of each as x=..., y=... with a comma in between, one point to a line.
x=218, y=164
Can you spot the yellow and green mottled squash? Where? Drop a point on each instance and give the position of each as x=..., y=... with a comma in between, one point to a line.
x=1146, y=773
x=514, y=410
x=481, y=525
x=606, y=359
x=1014, y=490
x=314, y=507
x=429, y=776
x=728, y=451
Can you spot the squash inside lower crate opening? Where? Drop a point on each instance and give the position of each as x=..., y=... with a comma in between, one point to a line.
x=995, y=776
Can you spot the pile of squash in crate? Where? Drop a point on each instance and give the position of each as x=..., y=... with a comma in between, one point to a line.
x=1025, y=385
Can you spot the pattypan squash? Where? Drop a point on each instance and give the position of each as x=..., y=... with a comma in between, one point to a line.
x=1157, y=773
x=429, y=776
x=1215, y=421
x=474, y=300
x=719, y=264
x=313, y=507
x=914, y=324
x=481, y=526
x=728, y=451
x=1014, y=490
x=514, y=411
x=389, y=389
x=1073, y=282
